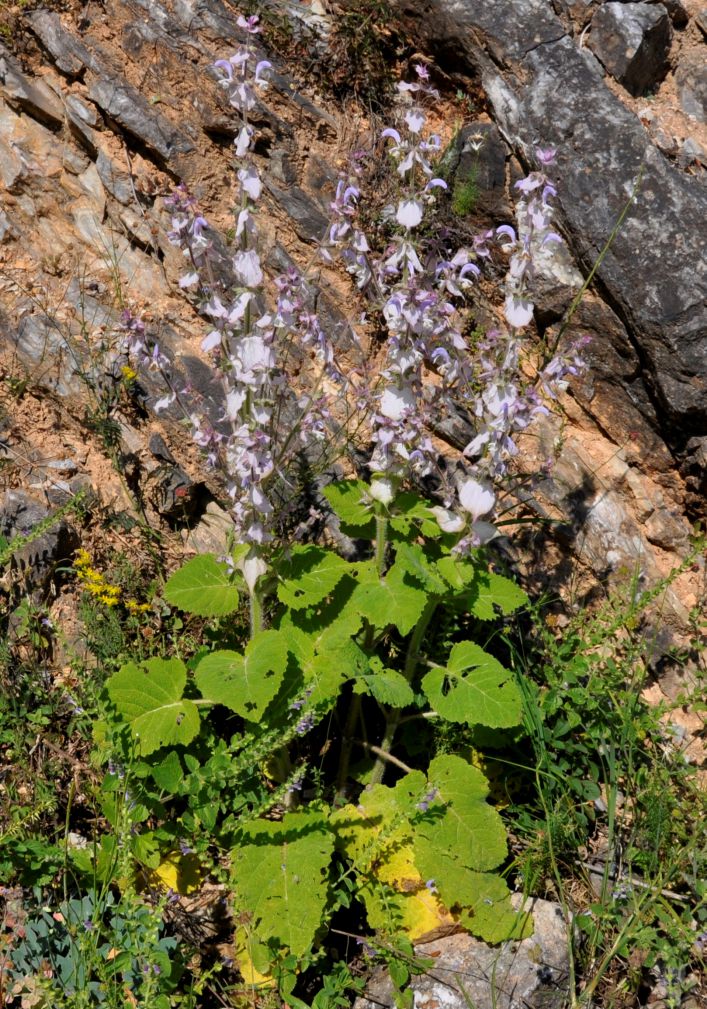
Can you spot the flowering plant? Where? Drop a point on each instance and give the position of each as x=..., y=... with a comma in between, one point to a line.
x=358, y=633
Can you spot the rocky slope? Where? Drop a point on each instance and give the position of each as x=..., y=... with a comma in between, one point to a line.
x=103, y=108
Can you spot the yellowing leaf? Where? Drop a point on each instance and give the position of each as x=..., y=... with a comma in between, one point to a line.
x=181, y=873
x=244, y=955
x=418, y=907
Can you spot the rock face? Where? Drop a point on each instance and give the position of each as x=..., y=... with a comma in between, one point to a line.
x=532, y=973
x=632, y=41
x=654, y=276
x=108, y=110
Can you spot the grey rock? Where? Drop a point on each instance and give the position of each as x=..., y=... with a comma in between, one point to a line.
x=309, y=222
x=158, y=447
x=633, y=42
x=281, y=168
x=675, y=8
x=532, y=973
x=84, y=113
x=691, y=80
x=478, y=157
x=701, y=21
x=173, y=493
x=692, y=154
x=36, y=561
x=693, y=470
x=123, y=103
x=69, y=54
x=115, y=179
x=41, y=345
x=655, y=274
x=79, y=117
x=11, y=165
x=5, y=222
x=33, y=97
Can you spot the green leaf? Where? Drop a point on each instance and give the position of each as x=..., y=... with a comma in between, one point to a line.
x=149, y=698
x=458, y=571
x=394, y=600
x=202, y=586
x=412, y=513
x=281, y=879
x=456, y=850
x=469, y=830
x=388, y=686
x=474, y=688
x=245, y=683
x=411, y=558
x=491, y=591
x=309, y=576
x=349, y=499
x=169, y=774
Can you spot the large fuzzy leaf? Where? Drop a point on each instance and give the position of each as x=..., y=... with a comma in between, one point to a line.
x=456, y=848
x=492, y=593
x=149, y=698
x=473, y=688
x=281, y=879
x=349, y=500
x=202, y=586
x=465, y=825
x=309, y=576
x=388, y=686
x=245, y=683
x=397, y=600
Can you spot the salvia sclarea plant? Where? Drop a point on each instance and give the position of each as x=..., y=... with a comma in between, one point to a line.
x=326, y=632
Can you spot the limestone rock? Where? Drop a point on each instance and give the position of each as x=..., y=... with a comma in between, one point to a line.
x=632, y=41
x=532, y=973
x=33, y=97
x=540, y=85
x=69, y=53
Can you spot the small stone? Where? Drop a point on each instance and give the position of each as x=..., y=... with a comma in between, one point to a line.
x=692, y=154
x=115, y=179
x=691, y=80
x=632, y=41
x=11, y=166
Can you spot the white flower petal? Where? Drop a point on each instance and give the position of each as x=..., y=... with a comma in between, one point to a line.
x=395, y=403
x=518, y=311
x=409, y=213
x=448, y=521
x=476, y=498
x=382, y=490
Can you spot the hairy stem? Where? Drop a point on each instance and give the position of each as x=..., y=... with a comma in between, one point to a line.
x=354, y=714
x=411, y=661
x=256, y=612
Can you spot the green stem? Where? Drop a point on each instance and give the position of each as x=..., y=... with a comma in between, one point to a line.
x=347, y=739
x=256, y=613
x=411, y=660
x=381, y=543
